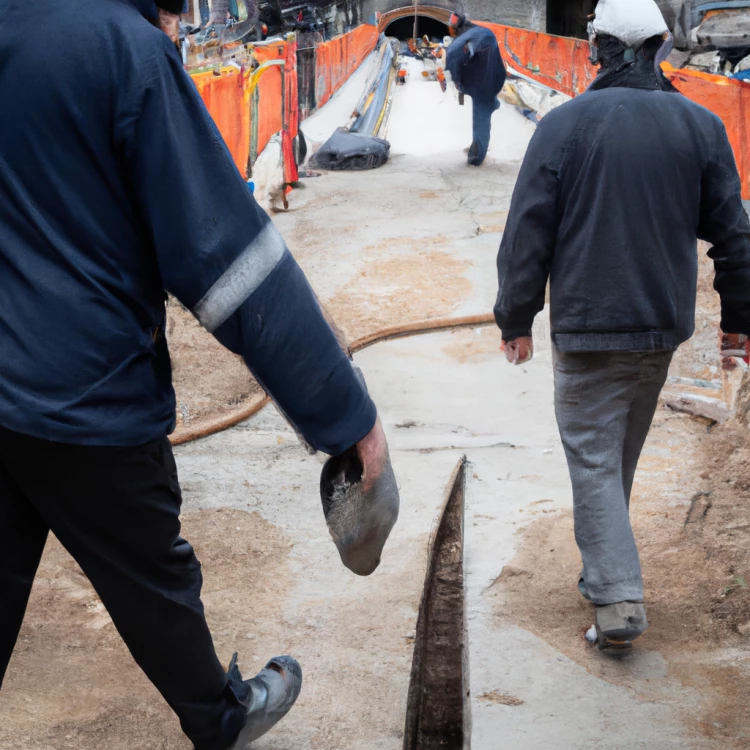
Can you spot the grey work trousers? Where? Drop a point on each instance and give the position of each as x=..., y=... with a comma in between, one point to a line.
x=605, y=403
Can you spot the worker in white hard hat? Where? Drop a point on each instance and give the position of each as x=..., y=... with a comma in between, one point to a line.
x=616, y=188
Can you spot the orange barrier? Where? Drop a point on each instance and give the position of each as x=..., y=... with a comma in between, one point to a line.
x=730, y=100
x=249, y=111
x=224, y=97
x=337, y=59
x=247, y=119
x=563, y=64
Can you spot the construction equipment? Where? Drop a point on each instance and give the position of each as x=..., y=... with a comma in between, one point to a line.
x=441, y=80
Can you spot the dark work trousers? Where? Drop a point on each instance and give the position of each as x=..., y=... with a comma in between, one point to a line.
x=483, y=107
x=116, y=511
x=605, y=403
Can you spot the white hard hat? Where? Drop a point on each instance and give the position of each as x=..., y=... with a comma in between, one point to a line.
x=630, y=21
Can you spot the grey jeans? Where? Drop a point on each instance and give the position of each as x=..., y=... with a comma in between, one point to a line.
x=605, y=403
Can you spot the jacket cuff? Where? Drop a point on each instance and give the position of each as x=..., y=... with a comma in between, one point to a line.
x=509, y=336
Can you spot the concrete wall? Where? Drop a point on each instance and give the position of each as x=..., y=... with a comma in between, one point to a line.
x=529, y=14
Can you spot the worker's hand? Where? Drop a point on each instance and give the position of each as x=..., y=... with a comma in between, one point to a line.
x=169, y=23
x=519, y=351
x=373, y=452
x=734, y=346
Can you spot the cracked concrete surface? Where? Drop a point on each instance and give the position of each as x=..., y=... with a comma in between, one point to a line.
x=278, y=586
x=440, y=396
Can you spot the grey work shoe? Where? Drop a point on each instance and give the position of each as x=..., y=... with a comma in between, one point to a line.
x=359, y=522
x=272, y=693
x=618, y=625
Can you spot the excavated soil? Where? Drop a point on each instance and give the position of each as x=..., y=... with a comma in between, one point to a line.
x=68, y=642
x=690, y=518
x=405, y=288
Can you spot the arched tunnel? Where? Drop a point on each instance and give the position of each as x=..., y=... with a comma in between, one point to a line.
x=403, y=28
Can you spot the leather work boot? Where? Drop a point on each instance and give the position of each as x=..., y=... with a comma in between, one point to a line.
x=618, y=625
x=272, y=693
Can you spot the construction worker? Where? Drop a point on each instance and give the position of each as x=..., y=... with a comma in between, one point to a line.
x=477, y=69
x=117, y=187
x=615, y=189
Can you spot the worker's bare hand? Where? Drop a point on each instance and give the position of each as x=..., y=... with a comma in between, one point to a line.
x=373, y=452
x=519, y=351
x=734, y=347
x=169, y=23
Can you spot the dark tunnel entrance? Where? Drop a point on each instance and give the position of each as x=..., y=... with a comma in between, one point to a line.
x=569, y=17
x=403, y=28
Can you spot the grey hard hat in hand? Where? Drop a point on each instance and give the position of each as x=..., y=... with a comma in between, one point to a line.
x=359, y=522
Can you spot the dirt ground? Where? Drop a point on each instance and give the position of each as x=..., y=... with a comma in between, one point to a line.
x=690, y=519
x=209, y=381
x=108, y=701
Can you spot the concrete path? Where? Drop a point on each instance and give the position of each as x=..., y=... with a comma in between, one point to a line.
x=440, y=396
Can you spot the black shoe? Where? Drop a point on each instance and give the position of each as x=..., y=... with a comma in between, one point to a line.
x=474, y=159
x=273, y=692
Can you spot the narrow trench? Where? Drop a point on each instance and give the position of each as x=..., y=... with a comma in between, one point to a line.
x=438, y=711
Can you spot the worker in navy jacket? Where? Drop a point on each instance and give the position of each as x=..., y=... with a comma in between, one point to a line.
x=116, y=188
x=477, y=69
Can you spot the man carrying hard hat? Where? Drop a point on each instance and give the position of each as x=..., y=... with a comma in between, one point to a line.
x=477, y=69
x=117, y=187
x=615, y=189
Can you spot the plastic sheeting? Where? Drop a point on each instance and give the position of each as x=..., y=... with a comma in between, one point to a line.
x=375, y=98
x=347, y=151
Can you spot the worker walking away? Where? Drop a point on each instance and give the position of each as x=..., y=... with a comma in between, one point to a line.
x=116, y=188
x=615, y=189
x=477, y=69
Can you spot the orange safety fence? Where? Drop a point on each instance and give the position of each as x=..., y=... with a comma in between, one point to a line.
x=223, y=95
x=248, y=115
x=562, y=63
x=338, y=58
x=730, y=100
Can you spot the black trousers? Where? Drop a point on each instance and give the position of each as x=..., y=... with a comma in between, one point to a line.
x=116, y=511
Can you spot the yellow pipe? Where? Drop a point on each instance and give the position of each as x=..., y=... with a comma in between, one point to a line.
x=258, y=72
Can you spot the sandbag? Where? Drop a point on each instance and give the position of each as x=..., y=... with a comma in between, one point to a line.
x=351, y=151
